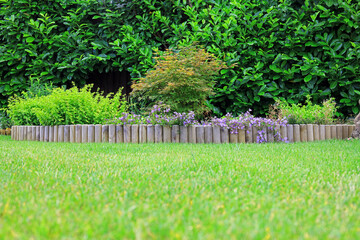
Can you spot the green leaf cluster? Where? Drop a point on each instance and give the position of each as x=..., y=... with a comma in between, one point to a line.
x=285, y=49
x=307, y=113
x=65, y=107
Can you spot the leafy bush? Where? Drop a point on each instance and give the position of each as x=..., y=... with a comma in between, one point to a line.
x=4, y=121
x=308, y=113
x=62, y=107
x=182, y=79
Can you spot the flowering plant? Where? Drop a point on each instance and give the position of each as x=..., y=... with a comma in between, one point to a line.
x=247, y=120
x=161, y=114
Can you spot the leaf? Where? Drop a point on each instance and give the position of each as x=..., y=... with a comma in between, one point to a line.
x=308, y=78
x=275, y=68
x=30, y=39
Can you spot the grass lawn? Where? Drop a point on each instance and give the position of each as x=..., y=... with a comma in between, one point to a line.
x=185, y=191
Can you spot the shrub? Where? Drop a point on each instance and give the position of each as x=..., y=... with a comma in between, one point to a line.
x=308, y=113
x=62, y=107
x=4, y=121
x=181, y=79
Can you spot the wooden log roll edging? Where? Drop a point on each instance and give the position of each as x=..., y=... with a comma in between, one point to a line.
x=176, y=134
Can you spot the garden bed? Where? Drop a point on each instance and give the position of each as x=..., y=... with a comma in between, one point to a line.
x=177, y=134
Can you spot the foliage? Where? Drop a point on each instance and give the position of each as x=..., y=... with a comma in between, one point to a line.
x=38, y=89
x=5, y=121
x=283, y=49
x=62, y=107
x=308, y=113
x=182, y=79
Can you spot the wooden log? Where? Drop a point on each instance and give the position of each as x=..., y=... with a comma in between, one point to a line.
x=297, y=133
x=327, y=132
x=150, y=133
x=56, y=133
x=28, y=133
x=192, y=134
x=91, y=133
x=16, y=137
x=322, y=132
x=112, y=133
x=175, y=134
x=15, y=133
x=350, y=130
x=345, y=131
x=310, y=132
x=333, y=132
x=142, y=133
x=46, y=132
x=224, y=134
x=200, y=134
x=158, y=133
x=61, y=133
x=166, y=134
x=208, y=134
x=135, y=133
x=67, y=133
x=84, y=133
x=78, y=129
x=339, y=132
x=255, y=134
x=18, y=129
x=127, y=133
x=316, y=132
x=303, y=133
x=24, y=133
x=248, y=135
x=98, y=133
x=38, y=133
x=216, y=134
x=233, y=137
x=184, y=134
x=18, y=133
x=72, y=134
x=21, y=133
x=290, y=133
x=284, y=133
x=270, y=135
x=242, y=135
x=105, y=133
x=51, y=134
x=33, y=133
x=119, y=133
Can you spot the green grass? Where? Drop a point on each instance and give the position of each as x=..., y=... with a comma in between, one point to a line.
x=165, y=191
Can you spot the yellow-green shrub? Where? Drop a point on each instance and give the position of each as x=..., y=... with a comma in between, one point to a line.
x=62, y=107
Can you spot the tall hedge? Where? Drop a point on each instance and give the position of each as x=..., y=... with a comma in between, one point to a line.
x=283, y=48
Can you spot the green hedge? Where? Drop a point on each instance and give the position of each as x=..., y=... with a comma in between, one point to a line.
x=284, y=49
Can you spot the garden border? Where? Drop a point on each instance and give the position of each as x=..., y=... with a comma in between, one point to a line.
x=174, y=134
